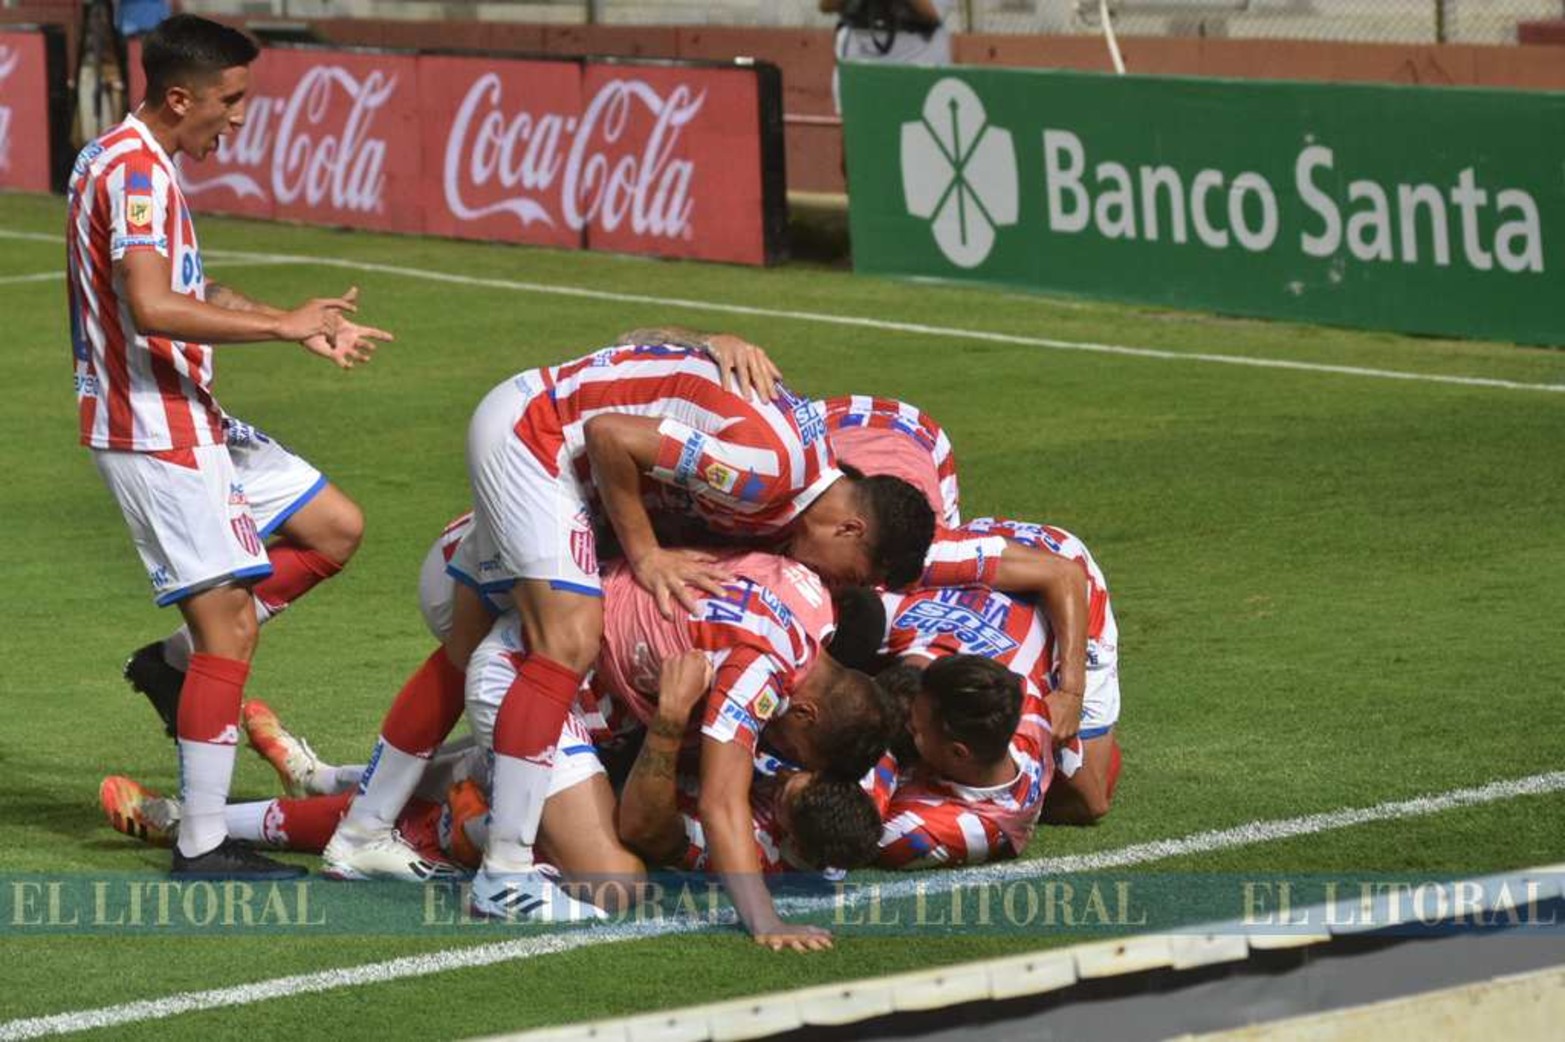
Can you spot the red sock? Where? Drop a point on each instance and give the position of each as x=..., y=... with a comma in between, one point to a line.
x=295, y=572
x=535, y=707
x=307, y=824
x=427, y=707
x=209, y=699
x=1113, y=772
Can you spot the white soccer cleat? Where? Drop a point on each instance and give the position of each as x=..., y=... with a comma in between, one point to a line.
x=529, y=897
x=355, y=855
x=290, y=756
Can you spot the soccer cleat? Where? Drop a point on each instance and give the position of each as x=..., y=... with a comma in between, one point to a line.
x=149, y=673
x=355, y=855
x=290, y=756
x=139, y=812
x=529, y=897
x=464, y=802
x=232, y=859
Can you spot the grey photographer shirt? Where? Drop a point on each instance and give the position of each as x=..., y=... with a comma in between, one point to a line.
x=907, y=47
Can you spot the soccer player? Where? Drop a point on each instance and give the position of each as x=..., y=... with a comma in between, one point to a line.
x=143, y=323
x=802, y=821
x=984, y=766
x=762, y=635
x=884, y=436
x=546, y=444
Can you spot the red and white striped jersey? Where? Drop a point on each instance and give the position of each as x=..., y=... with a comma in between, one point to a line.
x=885, y=436
x=973, y=620
x=761, y=637
x=932, y=822
x=748, y=467
x=135, y=392
x=770, y=842
x=970, y=556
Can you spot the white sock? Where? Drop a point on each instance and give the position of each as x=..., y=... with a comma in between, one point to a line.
x=385, y=786
x=178, y=646
x=205, y=770
x=329, y=781
x=247, y=821
x=520, y=789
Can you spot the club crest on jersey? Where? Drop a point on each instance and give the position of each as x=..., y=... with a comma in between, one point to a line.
x=720, y=477
x=765, y=705
x=245, y=533
x=138, y=210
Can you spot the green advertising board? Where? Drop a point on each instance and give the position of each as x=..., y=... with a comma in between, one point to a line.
x=1426, y=210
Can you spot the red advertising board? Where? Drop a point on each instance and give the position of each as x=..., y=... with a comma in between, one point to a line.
x=500, y=149
x=24, y=112
x=673, y=162
x=329, y=137
x=638, y=157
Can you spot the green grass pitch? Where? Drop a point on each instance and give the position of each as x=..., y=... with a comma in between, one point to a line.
x=1333, y=589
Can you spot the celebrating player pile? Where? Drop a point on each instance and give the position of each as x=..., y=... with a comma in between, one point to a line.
x=667, y=546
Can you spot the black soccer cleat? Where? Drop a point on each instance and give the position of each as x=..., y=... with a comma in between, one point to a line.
x=232, y=859
x=148, y=673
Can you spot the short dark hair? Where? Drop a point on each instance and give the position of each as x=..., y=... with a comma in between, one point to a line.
x=902, y=521
x=834, y=824
x=899, y=683
x=187, y=47
x=977, y=701
x=853, y=725
x=861, y=627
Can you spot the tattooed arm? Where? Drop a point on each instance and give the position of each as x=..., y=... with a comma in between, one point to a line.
x=649, y=819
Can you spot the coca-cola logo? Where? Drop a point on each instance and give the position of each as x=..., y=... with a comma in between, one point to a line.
x=302, y=151
x=577, y=162
x=9, y=59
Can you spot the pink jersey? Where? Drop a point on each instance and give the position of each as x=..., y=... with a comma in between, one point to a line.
x=136, y=392
x=748, y=468
x=885, y=436
x=761, y=637
x=931, y=822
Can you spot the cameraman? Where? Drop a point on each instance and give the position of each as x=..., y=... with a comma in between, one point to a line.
x=906, y=32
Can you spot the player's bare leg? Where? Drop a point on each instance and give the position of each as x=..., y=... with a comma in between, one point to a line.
x=1085, y=797
x=577, y=834
x=366, y=844
x=562, y=631
x=314, y=544
x=223, y=630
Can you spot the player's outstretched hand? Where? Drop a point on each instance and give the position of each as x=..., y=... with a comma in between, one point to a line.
x=315, y=317
x=1064, y=713
x=747, y=369
x=682, y=684
x=346, y=343
x=669, y=574
x=798, y=937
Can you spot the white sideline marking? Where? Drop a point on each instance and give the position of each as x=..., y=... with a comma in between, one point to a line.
x=854, y=321
x=324, y=980
x=487, y=955
x=39, y=276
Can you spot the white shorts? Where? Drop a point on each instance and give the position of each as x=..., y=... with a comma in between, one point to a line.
x=200, y=517
x=277, y=482
x=437, y=585
x=489, y=675
x=1100, y=704
x=530, y=520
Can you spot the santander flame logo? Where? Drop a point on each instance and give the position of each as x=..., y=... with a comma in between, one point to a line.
x=571, y=161
x=304, y=150
x=9, y=58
